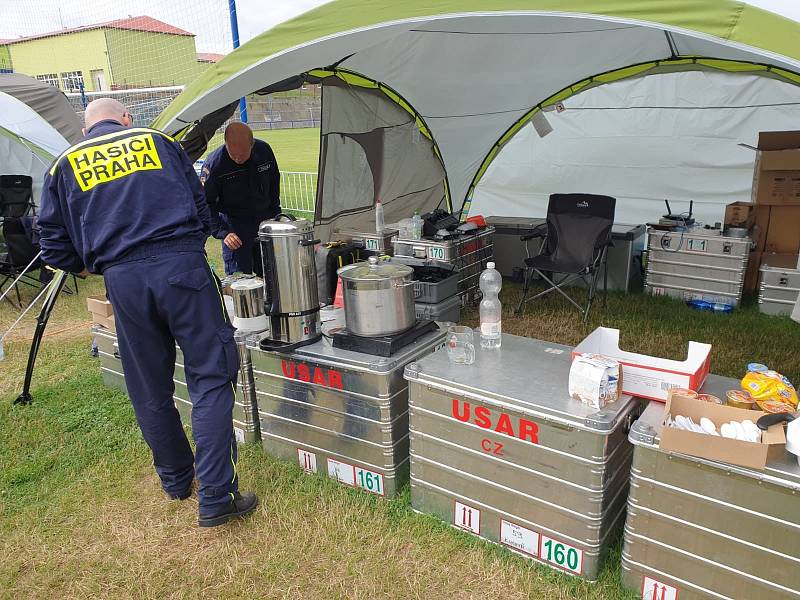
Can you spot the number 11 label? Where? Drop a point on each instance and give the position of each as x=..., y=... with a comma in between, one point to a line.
x=561, y=555
x=467, y=518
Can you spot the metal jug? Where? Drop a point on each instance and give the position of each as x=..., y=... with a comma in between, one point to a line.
x=291, y=299
x=248, y=304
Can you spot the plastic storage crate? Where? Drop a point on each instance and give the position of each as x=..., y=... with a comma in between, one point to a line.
x=468, y=253
x=426, y=292
x=447, y=310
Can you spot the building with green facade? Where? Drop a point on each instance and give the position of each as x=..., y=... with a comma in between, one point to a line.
x=138, y=52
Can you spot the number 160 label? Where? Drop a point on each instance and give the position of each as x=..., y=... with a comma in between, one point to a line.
x=561, y=555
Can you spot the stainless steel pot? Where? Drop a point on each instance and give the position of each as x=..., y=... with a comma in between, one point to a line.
x=378, y=297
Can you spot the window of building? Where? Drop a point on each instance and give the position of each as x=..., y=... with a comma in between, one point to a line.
x=49, y=79
x=73, y=80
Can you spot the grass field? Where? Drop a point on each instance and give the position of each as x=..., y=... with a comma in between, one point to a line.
x=82, y=516
x=295, y=149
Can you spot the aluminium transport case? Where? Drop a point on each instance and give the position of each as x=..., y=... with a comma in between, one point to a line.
x=338, y=412
x=697, y=265
x=499, y=449
x=778, y=290
x=245, y=421
x=701, y=529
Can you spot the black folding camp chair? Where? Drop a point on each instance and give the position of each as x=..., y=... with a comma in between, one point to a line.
x=576, y=237
x=16, y=196
x=22, y=259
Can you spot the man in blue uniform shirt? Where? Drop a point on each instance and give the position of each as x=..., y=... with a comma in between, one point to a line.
x=243, y=183
x=125, y=203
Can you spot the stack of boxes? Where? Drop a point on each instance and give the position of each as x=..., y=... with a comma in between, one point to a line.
x=773, y=215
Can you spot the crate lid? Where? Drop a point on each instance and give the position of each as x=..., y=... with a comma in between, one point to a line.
x=527, y=375
x=324, y=354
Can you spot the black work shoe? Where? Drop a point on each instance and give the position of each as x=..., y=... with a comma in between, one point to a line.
x=241, y=505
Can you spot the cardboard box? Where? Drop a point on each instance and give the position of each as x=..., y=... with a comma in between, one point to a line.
x=649, y=376
x=735, y=452
x=740, y=214
x=776, y=231
x=776, y=176
x=102, y=312
x=783, y=230
x=99, y=305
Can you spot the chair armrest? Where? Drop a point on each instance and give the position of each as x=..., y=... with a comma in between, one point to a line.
x=539, y=231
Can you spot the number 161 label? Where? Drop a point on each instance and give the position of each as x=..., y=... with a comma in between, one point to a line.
x=561, y=555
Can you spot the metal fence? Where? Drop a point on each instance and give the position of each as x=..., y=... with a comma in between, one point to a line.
x=298, y=193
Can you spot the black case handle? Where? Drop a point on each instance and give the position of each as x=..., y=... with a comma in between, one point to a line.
x=271, y=293
x=768, y=421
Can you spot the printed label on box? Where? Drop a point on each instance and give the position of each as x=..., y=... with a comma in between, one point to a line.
x=561, y=555
x=519, y=538
x=372, y=244
x=467, y=518
x=638, y=381
x=342, y=472
x=370, y=481
x=436, y=253
x=655, y=590
x=308, y=460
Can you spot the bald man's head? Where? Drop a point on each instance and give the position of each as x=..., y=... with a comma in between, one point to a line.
x=239, y=142
x=104, y=109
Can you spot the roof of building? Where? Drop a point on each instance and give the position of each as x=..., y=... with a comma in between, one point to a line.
x=140, y=23
x=208, y=57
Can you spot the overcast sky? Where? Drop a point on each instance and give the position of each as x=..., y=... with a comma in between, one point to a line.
x=208, y=19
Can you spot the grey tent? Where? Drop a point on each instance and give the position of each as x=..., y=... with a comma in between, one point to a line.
x=37, y=123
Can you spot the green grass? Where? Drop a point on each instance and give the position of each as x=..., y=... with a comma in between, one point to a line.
x=295, y=149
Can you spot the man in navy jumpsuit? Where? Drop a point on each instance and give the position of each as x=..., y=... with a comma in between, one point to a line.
x=126, y=203
x=243, y=183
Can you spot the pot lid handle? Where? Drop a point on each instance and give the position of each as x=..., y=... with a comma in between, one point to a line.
x=373, y=262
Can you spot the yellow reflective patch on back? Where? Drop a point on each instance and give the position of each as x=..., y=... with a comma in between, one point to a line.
x=93, y=165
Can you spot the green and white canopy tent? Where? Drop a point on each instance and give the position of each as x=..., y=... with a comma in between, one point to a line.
x=37, y=123
x=470, y=76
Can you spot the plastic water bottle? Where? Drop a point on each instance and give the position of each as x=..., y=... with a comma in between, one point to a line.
x=379, y=222
x=490, y=308
x=416, y=225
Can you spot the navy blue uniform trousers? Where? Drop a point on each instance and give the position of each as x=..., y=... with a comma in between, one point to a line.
x=157, y=301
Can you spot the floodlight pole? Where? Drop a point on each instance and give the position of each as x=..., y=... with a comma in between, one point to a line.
x=235, y=34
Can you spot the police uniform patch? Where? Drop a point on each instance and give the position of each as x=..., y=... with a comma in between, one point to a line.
x=93, y=165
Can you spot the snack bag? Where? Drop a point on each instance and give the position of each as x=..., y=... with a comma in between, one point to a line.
x=769, y=388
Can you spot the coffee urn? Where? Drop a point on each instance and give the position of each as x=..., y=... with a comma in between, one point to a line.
x=291, y=300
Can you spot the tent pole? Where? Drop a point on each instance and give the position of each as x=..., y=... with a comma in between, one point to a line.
x=59, y=279
x=235, y=35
